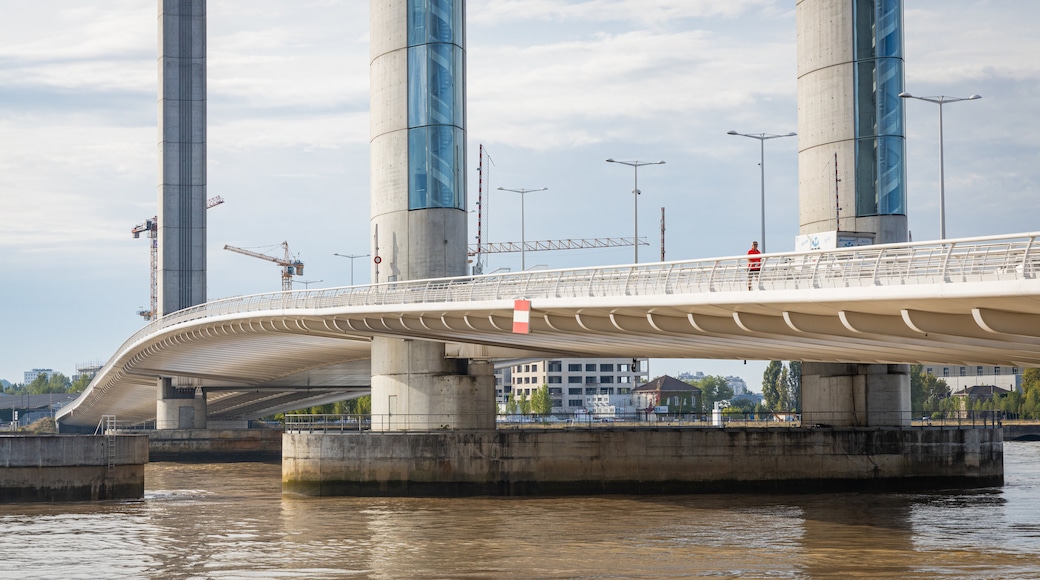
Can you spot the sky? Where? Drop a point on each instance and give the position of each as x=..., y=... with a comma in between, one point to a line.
x=555, y=87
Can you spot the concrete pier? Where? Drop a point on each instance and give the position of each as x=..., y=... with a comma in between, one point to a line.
x=639, y=461
x=72, y=467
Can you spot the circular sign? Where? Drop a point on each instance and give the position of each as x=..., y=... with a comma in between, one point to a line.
x=377, y=260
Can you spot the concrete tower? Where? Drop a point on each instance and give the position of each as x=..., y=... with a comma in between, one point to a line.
x=850, y=129
x=418, y=201
x=850, y=74
x=182, y=188
x=182, y=154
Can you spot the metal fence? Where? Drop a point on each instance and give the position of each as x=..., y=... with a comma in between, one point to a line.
x=337, y=423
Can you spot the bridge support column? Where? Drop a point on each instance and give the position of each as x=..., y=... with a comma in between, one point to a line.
x=414, y=388
x=855, y=395
x=179, y=407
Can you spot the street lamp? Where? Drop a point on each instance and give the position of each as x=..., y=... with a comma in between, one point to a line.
x=635, y=165
x=307, y=283
x=762, y=137
x=352, y=257
x=941, y=100
x=523, y=239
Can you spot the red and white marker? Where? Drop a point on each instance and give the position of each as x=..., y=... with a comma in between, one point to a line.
x=521, y=317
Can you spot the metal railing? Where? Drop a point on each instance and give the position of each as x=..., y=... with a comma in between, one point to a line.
x=947, y=262
x=338, y=423
x=992, y=258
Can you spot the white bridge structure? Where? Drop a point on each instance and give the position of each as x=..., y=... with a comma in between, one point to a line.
x=967, y=301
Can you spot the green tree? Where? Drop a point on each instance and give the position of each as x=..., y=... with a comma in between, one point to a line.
x=794, y=385
x=511, y=404
x=926, y=390
x=1031, y=394
x=541, y=401
x=713, y=388
x=769, y=383
x=525, y=405
x=80, y=384
x=43, y=384
x=783, y=390
x=917, y=390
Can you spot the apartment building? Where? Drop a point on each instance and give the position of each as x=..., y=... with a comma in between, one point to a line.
x=570, y=380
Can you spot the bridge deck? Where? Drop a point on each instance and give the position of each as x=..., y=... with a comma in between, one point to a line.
x=971, y=301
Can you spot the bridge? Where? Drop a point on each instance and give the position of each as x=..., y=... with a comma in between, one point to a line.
x=968, y=301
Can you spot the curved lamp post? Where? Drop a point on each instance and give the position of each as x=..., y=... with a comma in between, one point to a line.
x=635, y=165
x=941, y=100
x=762, y=138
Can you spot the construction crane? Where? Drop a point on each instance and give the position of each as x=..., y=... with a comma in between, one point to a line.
x=151, y=228
x=291, y=265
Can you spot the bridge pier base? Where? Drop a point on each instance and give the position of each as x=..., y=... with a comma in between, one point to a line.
x=856, y=395
x=415, y=388
x=179, y=407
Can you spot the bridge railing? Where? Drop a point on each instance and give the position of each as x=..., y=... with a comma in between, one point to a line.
x=993, y=258
x=345, y=423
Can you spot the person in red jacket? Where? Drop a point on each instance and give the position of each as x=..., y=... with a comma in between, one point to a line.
x=754, y=265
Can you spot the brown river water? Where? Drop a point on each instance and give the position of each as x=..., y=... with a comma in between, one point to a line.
x=231, y=521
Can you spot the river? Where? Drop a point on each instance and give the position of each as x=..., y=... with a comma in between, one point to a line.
x=231, y=521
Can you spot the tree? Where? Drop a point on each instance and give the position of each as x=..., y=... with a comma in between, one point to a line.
x=917, y=394
x=80, y=384
x=44, y=384
x=541, y=401
x=926, y=390
x=713, y=388
x=525, y=405
x=511, y=404
x=794, y=385
x=769, y=383
x=783, y=390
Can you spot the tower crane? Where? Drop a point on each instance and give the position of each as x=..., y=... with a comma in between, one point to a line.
x=291, y=265
x=151, y=228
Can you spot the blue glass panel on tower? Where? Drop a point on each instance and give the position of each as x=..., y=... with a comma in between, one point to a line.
x=436, y=106
x=435, y=155
x=891, y=184
x=889, y=106
x=889, y=28
x=434, y=21
x=880, y=126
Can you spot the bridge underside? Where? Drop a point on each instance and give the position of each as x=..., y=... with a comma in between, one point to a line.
x=260, y=362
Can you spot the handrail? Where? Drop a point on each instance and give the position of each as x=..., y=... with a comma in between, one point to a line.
x=977, y=259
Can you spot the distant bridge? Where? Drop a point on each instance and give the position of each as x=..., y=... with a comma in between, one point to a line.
x=969, y=301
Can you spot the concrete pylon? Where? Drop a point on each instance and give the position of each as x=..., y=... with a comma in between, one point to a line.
x=182, y=154
x=852, y=176
x=182, y=182
x=418, y=201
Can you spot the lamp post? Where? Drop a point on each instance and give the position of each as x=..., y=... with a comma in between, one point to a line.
x=352, y=257
x=941, y=100
x=523, y=239
x=762, y=138
x=635, y=165
x=307, y=283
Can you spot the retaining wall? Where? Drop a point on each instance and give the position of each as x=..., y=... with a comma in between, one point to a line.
x=638, y=461
x=205, y=445
x=71, y=467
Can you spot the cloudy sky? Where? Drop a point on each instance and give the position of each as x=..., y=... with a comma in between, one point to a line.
x=555, y=88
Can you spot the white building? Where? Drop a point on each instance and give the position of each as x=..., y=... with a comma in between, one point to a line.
x=571, y=380
x=30, y=376
x=959, y=377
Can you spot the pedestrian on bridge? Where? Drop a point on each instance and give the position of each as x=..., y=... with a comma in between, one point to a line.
x=754, y=265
